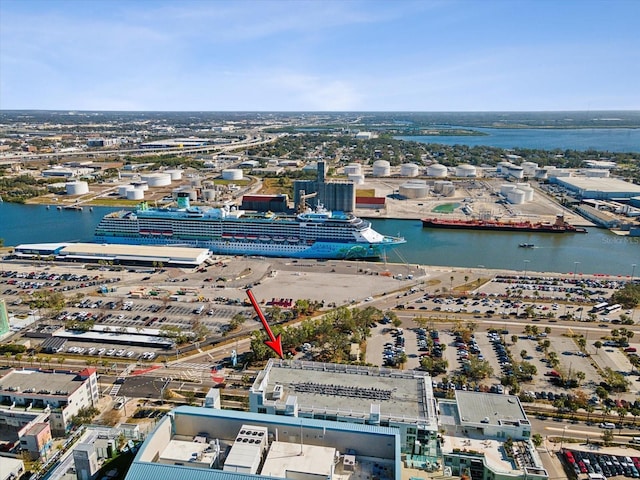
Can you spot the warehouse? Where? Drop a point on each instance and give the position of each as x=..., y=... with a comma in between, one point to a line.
x=598, y=188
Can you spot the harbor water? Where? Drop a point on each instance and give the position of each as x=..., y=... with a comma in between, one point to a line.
x=599, y=251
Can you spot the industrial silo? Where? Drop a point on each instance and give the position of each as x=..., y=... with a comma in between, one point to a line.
x=357, y=179
x=232, y=174
x=503, y=167
x=175, y=174
x=209, y=195
x=529, y=168
x=506, y=188
x=444, y=188
x=123, y=189
x=516, y=196
x=157, y=179
x=135, y=194
x=409, y=170
x=436, y=170
x=77, y=188
x=414, y=189
x=465, y=170
x=516, y=171
x=143, y=185
x=528, y=193
x=381, y=168
x=353, y=169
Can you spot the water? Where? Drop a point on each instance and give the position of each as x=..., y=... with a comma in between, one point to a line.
x=602, y=139
x=599, y=251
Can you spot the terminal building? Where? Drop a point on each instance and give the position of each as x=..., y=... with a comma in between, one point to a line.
x=402, y=400
x=206, y=443
x=598, y=188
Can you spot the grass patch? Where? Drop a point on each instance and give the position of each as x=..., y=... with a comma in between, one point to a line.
x=445, y=208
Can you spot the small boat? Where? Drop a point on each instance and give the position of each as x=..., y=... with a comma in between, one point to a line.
x=526, y=245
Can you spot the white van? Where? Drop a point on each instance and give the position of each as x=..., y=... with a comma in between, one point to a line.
x=608, y=425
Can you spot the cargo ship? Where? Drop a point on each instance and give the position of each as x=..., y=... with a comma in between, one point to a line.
x=559, y=226
x=317, y=233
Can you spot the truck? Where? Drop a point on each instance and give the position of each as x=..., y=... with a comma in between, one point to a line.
x=199, y=310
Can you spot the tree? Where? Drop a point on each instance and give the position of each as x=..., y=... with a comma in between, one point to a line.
x=536, y=438
x=607, y=437
x=598, y=345
x=514, y=339
x=582, y=343
x=524, y=354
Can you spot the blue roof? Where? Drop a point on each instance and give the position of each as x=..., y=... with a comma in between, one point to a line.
x=159, y=471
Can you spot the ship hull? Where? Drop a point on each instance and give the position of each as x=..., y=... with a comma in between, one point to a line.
x=319, y=249
x=501, y=227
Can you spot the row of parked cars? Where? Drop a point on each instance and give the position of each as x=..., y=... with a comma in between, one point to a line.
x=607, y=465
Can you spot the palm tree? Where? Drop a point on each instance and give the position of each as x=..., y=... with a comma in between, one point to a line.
x=590, y=408
x=598, y=345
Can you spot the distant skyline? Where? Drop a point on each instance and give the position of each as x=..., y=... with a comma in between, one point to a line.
x=325, y=55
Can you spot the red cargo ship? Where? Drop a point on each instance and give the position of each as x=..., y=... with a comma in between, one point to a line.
x=560, y=226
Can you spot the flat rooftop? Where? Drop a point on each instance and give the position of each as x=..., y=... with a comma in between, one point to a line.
x=352, y=390
x=294, y=457
x=26, y=380
x=487, y=408
x=613, y=185
x=491, y=450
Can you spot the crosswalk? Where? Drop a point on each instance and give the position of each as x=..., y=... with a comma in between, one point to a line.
x=114, y=390
x=198, y=366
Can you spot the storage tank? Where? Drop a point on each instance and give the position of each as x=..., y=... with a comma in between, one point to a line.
x=209, y=195
x=357, y=179
x=444, y=187
x=175, y=174
x=232, y=174
x=135, y=194
x=414, y=189
x=381, y=168
x=123, y=189
x=409, y=170
x=503, y=167
x=465, y=170
x=528, y=193
x=541, y=173
x=76, y=188
x=516, y=171
x=143, y=185
x=505, y=188
x=157, y=179
x=529, y=168
x=516, y=196
x=436, y=170
x=353, y=169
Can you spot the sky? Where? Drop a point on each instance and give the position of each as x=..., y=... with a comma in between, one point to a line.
x=327, y=55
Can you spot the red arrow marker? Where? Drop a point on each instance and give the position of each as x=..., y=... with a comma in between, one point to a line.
x=274, y=343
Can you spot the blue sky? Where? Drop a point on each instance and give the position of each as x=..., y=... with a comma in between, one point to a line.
x=300, y=55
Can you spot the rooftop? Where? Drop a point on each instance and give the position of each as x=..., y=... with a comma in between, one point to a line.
x=613, y=185
x=487, y=408
x=36, y=382
x=352, y=390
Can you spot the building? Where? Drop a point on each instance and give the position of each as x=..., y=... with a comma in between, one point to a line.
x=335, y=195
x=598, y=188
x=85, y=459
x=37, y=440
x=205, y=443
x=352, y=394
x=489, y=437
x=11, y=468
x=61, y=394
x=265, y=203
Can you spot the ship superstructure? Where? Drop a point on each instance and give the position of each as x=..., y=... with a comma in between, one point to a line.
x=310, y=234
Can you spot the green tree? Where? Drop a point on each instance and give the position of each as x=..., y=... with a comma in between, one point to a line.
x=598, y=345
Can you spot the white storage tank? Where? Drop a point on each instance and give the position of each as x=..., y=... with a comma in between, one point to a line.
x=444, y=187
x=528, y=193
x=76, y=188
x=529, y=168
x=123, y=189
x=516, y=171
x=157, y=179
x=232, y=174
x=209, y=195
x=503, y=167
x=143, y=185
x=465, y=170
x=409, y=170
x=436, y=170
x=381, y=168
x=357, y=179
x=353, y=169
x=135, y=194
x=505, y=188
x=175, y=174
x=516, y=196
x=414, y=189
x=195, y=181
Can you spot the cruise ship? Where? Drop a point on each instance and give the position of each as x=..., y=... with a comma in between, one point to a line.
x=310, y=234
